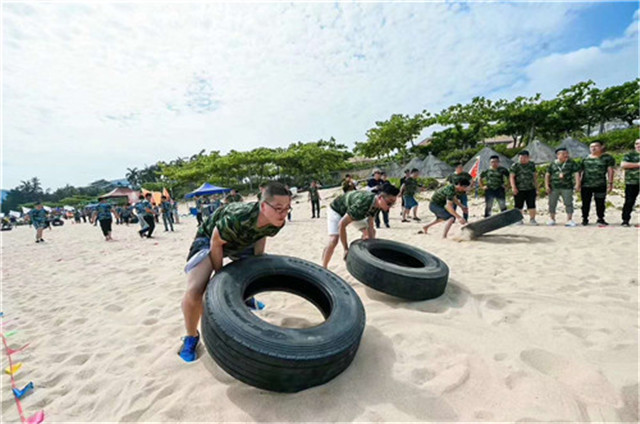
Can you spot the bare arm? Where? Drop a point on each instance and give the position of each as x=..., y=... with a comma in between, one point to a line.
x=217, y=253
x=535, y=181
x=371, y=231
x=449, y=208
x=547, y=182
x=342, y=228
x=512, y=181
x=610, y=173
x=258, y=248
x=629, y=165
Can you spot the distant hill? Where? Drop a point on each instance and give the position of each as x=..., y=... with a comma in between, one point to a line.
x=122, y=182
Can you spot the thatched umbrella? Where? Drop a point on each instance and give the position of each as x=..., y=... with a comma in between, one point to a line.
x=540, y=153
x=484, y=156
x=575, y=148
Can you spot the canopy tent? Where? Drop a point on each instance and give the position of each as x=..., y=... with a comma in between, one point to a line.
x=433, y=167
x=46, y=208
x=207, y=189
x=25, y=210
x=540, y=153
x=575, y=148
x=14, y=214
x=484, y=156
x=122, y=192
x=69, y=208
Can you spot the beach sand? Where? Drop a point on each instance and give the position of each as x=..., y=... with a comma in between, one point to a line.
x=536, y=324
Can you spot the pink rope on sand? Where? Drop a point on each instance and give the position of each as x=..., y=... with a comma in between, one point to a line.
x=37, y=417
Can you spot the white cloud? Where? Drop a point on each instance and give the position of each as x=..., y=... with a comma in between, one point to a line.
x=94, y=89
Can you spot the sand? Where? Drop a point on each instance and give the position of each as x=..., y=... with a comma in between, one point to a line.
x=536, y=323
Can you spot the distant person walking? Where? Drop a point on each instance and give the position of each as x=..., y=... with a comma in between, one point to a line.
x=38, y=218
x=314, y=198
x=348, y=184
x=631, y=166
x=103, y=215
x=408, y=192
x=233, y=197
x=167, y=216
x=458, y=175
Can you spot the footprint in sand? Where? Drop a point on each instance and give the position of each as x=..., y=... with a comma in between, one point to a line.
x=150, y=321
x=113, y=308
x=586, y=382
x=79, y=359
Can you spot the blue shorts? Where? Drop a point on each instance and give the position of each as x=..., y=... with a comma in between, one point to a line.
x=409, y=202
x=440, y=212
x=39, y=224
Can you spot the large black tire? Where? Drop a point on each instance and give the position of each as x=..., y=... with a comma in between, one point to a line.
x=133, y=220
x=397, y=269
x=277, y=358
x=494, y=222
x=57, y=223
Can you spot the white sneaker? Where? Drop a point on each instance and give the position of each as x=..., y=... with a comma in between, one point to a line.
x=533, y=222
x=551, y=223
x=571, y=224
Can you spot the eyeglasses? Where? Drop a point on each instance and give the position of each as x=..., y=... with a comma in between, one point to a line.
x=280, y=211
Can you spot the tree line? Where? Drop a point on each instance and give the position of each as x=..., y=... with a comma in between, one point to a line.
x=576, y=111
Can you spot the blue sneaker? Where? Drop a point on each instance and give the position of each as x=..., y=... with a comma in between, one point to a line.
x=254, y=304
x=188, y=350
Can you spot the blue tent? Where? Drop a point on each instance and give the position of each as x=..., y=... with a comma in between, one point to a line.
x=206, y=189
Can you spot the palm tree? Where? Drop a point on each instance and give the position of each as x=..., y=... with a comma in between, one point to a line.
x=133, y=176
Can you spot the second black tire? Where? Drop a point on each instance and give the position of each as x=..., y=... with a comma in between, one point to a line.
x=272, y=357
x=397, y=269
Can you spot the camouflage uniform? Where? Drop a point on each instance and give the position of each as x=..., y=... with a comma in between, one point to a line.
x=454, y=179
x=348, y=186
x=562, y=183
x=525, y=183
x=594, y=184
x=315, y=202
x=494, y=180
x=237, y=224
x=410, y=189
x=357, y=204
x=632, y=184
x=233, y=198
x=439, y=201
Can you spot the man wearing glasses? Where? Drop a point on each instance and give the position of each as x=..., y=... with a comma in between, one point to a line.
x=355, y=206
x=236, y=231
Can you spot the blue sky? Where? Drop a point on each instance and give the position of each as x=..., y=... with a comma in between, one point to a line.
x=91, y=89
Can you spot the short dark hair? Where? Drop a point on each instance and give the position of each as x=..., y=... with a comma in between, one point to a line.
x=406, y=171
x=163, y=197
x=263, y=184
x=561, y=149
x=383, y=173
x=348, y=176
x=523, y=153
x=415, y=170
x=598, y=140
x=275, y=188
x=140, y=197
x=459, y=164
x=390, y=190
x=494, y=157
x=464, y=183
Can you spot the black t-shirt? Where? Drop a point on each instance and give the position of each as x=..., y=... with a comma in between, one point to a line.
x=375, y=184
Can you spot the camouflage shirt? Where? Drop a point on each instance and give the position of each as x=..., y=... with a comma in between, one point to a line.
x=38, y=216
x=525, y=175
x=594, y=170
x=233, y=198
x=348, y=186
x=104, y=211
x=237, y=224
x=454, y=178
x=632, y=176
x=494, y=178
x=562, y=174
x=410, y=186
x=313, y=193
x=441, y=196
x=357, y=204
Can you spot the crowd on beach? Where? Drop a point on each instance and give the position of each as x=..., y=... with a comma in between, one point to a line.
x=230, y=227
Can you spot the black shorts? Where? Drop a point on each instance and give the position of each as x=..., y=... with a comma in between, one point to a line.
x=528, y=196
